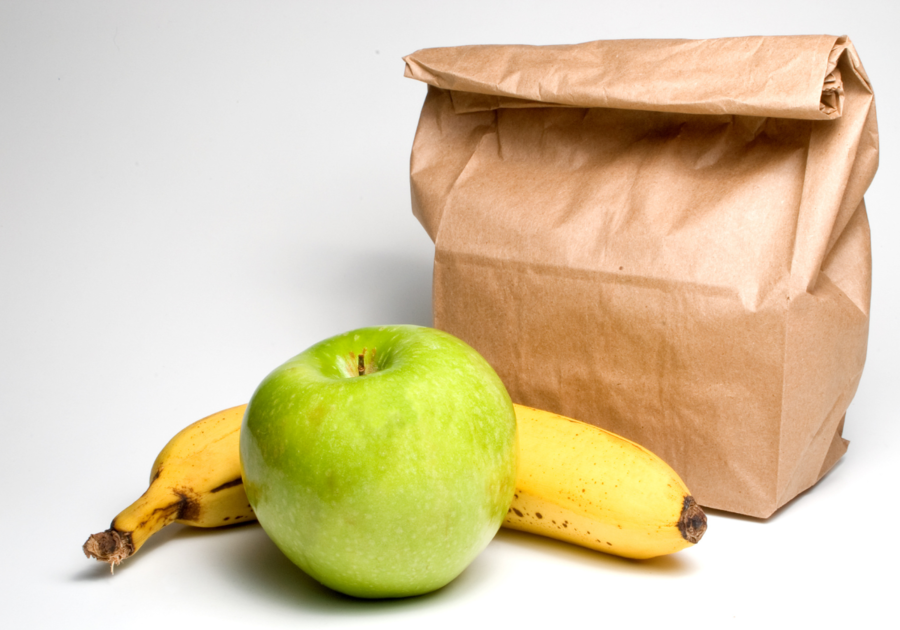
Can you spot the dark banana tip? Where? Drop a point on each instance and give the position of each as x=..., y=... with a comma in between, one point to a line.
x=692, y=523
x=110, y=546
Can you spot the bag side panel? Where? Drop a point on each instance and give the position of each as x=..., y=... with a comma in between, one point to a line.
x=827, y=335
x=830, y=287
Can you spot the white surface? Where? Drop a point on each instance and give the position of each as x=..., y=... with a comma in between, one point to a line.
x=191, y=193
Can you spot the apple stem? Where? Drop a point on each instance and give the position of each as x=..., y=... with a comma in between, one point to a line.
x=366, y=362
x=361, y=363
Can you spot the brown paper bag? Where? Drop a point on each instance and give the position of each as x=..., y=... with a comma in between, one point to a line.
x=665, y=238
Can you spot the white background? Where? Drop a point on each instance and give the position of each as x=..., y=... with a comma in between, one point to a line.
x=193, y=192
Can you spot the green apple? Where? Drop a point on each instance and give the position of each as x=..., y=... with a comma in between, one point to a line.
x=381, y=461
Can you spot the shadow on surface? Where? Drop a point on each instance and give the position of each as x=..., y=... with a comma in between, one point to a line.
x=674, y=565
x=95, y=570
x=786, y=508
x=256, y=567
x=263, y=570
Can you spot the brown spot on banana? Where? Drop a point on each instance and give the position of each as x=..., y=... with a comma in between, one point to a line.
x=188, y=506
x=154, y=519
x=228, y=484
x=692, y=523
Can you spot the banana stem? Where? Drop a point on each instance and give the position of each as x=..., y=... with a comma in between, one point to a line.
x=155, y=509
x=110, y=546
x=692, y=523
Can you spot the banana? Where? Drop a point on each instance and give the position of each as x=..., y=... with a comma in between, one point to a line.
x=195, y=480
x=576, y=482
x=593, y=488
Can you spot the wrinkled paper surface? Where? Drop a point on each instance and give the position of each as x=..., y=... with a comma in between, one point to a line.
x=667, y=239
